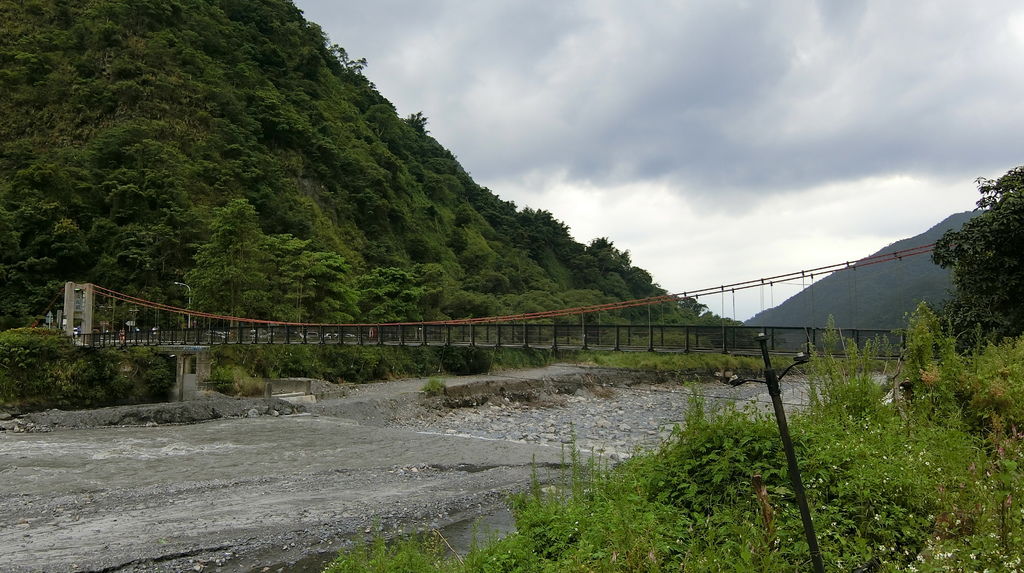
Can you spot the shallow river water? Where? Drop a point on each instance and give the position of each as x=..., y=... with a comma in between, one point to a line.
x=119, y=497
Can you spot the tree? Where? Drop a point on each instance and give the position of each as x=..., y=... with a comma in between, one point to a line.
x=354, y=67
x=390, y=294
x=230, y=273
x=985, y=257
x=314, y=284
x=418, y=122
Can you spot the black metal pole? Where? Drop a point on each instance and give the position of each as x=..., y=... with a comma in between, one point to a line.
x=787, y=444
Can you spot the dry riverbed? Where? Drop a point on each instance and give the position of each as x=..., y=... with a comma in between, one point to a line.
x=260, y=484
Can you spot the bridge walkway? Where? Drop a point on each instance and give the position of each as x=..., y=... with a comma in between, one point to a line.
x=609, y=337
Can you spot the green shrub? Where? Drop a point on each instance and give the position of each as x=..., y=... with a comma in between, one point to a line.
x=150, y=373
x=705, y=362
x=435, y=386
x=465, y=360
x=411, y=555
x=32, y=363
x=40, y=368
x=709, y=461
x=234, y=380
x=353, y=363
x=996, y=386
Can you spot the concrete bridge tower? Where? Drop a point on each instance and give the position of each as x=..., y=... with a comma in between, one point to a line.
x=78, y=307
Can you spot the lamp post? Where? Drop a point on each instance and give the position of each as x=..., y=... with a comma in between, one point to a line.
x=188, y=317
x=787, y=444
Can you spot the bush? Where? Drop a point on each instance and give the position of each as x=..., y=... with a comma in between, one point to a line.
x=996, y=387
x=434, y=387
x=27, y=363
x=150, y=373
x=233, y=379
x=465, y=360
x=40, y=368
x=351, y=363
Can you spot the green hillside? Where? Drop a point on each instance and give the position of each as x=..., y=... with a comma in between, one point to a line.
x=227, y=144
x=876, y=296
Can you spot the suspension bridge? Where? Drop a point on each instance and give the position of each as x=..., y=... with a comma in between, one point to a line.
x=120, y=320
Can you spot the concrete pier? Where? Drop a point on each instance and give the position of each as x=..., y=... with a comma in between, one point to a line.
x=193, y=368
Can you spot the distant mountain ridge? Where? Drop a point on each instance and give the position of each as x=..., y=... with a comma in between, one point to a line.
x=876, y=296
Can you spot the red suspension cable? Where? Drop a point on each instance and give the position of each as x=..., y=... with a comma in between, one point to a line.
x=847, y=265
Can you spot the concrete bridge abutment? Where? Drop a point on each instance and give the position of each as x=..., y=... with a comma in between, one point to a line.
x=192, y=369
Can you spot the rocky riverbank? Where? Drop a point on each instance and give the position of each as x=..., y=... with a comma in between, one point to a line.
x=608, y=420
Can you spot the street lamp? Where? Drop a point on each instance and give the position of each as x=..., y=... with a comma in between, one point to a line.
x=189, y=306
x=787, y=444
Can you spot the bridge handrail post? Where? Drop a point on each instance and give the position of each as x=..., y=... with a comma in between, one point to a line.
x=380, y=336
x=617, y=337
x=497, y=338
x=650, y=337
x=526, y=334
x=554, y=335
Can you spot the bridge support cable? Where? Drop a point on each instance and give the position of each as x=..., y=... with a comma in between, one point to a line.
x=219, y=328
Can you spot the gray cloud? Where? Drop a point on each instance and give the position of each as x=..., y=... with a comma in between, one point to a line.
x=717, y=98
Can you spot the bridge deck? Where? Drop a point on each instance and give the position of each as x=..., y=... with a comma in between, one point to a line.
x=625, y=338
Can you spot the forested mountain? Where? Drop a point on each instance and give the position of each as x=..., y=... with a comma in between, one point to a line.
x=227, y=144
x=876, y=296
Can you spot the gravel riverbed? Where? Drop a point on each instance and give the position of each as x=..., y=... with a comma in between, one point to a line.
x=608, y=421
x=260, y=486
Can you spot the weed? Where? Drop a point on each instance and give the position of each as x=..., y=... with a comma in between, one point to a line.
x=435, y=386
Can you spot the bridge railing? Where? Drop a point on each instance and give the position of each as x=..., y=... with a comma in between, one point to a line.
x=658, y=338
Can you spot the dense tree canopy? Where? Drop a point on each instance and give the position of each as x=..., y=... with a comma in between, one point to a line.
x=228, y=144
x=986, y=259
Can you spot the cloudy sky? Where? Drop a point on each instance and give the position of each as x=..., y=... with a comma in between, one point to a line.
x=718, y=141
